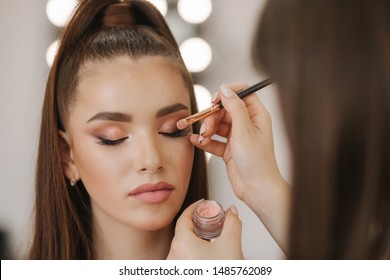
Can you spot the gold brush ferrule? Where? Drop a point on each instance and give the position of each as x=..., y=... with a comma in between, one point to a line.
x=201, y=115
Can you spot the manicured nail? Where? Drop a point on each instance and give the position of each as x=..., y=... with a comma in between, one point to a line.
x=234, y=209
x=226, y=91
x=201, y=138
x=202, y=129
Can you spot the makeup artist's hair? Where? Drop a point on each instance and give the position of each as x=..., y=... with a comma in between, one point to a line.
x=97, y=30
x=331, y=62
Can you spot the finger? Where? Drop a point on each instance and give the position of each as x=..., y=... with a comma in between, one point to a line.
x=221, y=129
x=237, y=109
x=232, y=228
x=214, y=119
x=236, y=87
x=210, y=123
x=249, y=100
x=224, y=130
x=208, y=145
x=256, y=108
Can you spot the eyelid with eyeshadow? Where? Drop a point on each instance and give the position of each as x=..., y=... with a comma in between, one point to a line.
x=175, y=134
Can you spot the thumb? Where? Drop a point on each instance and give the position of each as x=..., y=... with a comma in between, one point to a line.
x=232, y=227
x=231, y=234
x=236, y=108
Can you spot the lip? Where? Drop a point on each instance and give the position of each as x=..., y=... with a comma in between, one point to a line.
x=153, y=193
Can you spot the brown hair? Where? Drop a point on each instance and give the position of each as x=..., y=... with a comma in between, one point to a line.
x=97, y=30
x=331, y=61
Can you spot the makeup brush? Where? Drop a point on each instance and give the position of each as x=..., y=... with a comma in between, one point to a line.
x=183, y=123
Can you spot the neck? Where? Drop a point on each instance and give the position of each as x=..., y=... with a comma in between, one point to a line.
x=117, y=241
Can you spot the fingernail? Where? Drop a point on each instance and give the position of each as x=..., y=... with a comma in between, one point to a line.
x=226, y=91
x=234, y=209
x=215, y=96
x=201, y=138
x=202, y=129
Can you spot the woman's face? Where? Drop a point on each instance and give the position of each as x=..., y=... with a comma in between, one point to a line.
x=124, y=144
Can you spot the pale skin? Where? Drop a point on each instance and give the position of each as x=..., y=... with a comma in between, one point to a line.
x=121, y=134
x=251, y=166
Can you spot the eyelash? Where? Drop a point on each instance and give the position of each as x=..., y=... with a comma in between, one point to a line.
x=175, y=134
x=107, y=142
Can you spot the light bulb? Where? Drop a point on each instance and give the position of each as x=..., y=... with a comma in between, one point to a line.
x=51, y=53
x=196, y=53
x=161, y=5
x=59, y=11
x=194, y=11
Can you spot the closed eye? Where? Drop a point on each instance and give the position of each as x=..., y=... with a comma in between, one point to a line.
x=177, y=133
x=108, y=142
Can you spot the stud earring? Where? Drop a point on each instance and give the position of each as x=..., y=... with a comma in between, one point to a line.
x=73, y=182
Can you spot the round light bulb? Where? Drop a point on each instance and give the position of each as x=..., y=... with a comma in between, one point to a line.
x=59, y=11
x=51, y=53
x=161, y=5
x=196, y=53
x=194, y=11
x=203, y=97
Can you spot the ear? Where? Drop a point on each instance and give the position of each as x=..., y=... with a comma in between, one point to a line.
x=68, y=165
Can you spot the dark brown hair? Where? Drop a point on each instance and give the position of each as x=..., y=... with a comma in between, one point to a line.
x=331, y=61
x=97, y=30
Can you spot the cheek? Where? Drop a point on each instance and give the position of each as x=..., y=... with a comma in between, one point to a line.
x=96, y=168
x=183, y=156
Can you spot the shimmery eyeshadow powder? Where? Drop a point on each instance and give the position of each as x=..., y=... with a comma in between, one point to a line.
x=208, y=219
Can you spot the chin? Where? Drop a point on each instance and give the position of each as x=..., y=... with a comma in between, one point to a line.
x=155, y=225
x=156, y=221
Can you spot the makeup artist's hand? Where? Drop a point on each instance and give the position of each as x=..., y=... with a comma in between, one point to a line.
x=187, y=246
x=249, y=156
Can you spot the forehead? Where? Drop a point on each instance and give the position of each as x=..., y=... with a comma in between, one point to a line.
x=123, y=83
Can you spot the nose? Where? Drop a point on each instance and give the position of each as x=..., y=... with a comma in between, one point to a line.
x=148, y=155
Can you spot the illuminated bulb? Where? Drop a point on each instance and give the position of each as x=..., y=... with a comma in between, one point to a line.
x=196, y=53
x=161, y=5
x=203, y=97
x=59, y=11
x=51, y=53
x=194, y=11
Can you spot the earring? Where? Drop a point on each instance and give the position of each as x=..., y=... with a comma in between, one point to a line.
x=73, y=182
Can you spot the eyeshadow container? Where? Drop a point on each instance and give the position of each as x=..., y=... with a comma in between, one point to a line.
x=208, y=219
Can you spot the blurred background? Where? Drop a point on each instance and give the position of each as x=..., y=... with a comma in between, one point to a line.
x=215, y=40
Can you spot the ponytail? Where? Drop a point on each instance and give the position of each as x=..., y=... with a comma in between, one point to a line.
x=137, y=13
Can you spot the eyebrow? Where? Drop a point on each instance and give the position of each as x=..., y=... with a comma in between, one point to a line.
x=123, y=117
x=111, y=116
x=170, y=109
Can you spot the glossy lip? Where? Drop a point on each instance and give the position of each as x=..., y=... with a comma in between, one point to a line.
x=153, y=193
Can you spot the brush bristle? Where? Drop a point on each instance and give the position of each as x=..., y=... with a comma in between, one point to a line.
x=182, y=124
